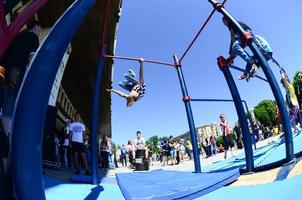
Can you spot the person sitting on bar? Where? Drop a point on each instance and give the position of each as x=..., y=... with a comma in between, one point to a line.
x=237, y=48
x=140, y=144
x=135, y=87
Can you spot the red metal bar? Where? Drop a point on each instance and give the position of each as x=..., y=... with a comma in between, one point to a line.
x=137, y=59
x=3, y=24
x=199, y=32
x=19, y=22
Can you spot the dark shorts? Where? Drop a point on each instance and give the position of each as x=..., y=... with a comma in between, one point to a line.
x=78, y=147
x=228, y=142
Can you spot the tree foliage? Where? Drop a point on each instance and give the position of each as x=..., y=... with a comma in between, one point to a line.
x=265, y=112
x=152, y=143
x=296, y=80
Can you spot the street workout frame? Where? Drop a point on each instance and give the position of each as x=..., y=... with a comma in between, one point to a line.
x=33, y=99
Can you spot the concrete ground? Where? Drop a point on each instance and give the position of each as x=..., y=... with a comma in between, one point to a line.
x=188, y=165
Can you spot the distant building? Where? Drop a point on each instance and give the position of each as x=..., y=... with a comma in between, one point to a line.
x=204, y=131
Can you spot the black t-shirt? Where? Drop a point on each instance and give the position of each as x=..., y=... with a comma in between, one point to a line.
x=18, y=53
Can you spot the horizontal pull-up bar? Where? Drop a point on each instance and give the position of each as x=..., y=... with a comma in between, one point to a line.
x=242, y=70
x=221, y=100
x=137, y=59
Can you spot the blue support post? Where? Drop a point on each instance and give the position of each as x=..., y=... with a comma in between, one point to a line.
x=95, y=119
x=279, y=100
x=248, y=150
x=248, y=39
x=32, y=101
x=186, y=100
x=252, y=124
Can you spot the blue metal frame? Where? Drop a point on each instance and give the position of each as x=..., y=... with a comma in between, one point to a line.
x=32, y=101
x=269, y=77
x=189, y=115
x=95, y=120
x=248, y=150
x=242, y=70
x=231, y=100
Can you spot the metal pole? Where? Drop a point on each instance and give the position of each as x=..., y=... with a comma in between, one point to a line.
x=239, y=69
x=31, y=104
x=186, y=100
x=252, y=124
x=269, y=77
x=95, y=120
x=231, y=100
x=242, y=119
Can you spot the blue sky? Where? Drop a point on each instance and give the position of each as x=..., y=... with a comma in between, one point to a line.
x=158, y=29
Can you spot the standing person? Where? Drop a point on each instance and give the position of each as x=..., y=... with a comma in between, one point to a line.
x=111, y=154
x=123, y=156
x=164, y=151
x=189, y=149
x=237, y=48
x=291, y=100
x=227, y=139
x=130, y=149
x=77, y=135
x=136, y=88
x=299, y=96
x=237, y=131
x=104, y=152
x=57, y=150
x=213, y=141
x=182, y=151
x=172, y=150
x=140, y=144
x=65, y=160
x=15, y=61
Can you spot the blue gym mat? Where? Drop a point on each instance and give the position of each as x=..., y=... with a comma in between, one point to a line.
x=270, y=153
x=289, y=189
x=166, y=184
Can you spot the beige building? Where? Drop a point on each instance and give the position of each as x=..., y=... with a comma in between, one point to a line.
x=204, y=131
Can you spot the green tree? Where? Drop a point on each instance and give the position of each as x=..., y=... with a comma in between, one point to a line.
x=152, y=143
x=296, y=81
x=265, y=112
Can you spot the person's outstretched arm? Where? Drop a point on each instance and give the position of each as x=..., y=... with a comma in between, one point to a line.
x=141, y=70
x=122, y=94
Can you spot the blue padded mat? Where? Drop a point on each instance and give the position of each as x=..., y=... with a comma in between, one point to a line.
x=270, y=153
x=289, y=189
x=166, y=184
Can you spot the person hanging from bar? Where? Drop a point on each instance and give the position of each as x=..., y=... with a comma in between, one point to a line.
x=292, y=102
x=237, y=48
x=135, y=87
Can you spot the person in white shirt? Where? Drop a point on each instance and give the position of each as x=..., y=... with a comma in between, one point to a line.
x=140, y=144
x=77, y=135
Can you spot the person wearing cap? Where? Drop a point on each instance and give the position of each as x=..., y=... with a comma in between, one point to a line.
x=135, y=87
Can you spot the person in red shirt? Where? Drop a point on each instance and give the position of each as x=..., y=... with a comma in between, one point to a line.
x=227, y=139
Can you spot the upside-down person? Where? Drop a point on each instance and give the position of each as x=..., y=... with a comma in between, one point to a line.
x=237, y=49
x=135, y=87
